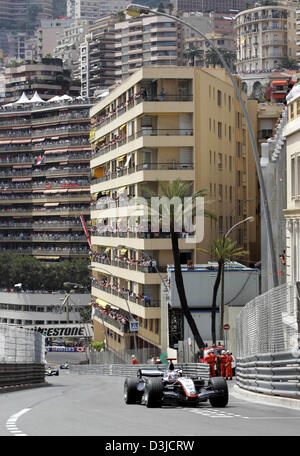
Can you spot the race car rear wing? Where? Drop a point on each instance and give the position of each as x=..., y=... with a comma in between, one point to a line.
x=150, y=373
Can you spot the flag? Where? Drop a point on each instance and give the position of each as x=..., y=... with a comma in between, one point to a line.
x=39, y=160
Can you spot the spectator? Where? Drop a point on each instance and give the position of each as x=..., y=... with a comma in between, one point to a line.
x=134, y=360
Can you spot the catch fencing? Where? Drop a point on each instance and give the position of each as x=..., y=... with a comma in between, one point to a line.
x=20, y=345
x=123, y=370
x=143, y=355
x=268, y=356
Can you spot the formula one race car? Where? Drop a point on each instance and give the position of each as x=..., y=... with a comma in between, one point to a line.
x=51, y=371
x=155, y=388
x=64, y=365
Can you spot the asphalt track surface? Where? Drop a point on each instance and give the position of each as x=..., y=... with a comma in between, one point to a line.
x=93, y=405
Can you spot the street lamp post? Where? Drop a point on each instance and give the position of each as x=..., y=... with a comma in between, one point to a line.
x=136, y=10
x=248, y=219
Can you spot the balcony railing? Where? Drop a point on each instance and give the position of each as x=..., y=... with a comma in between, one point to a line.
x=135, y=299
x=134, y=102
x=144, y=132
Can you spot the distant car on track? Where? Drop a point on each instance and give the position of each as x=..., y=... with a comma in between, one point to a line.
x=50, y=371
x=64, y=365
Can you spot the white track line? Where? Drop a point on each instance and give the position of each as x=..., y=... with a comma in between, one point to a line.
x=11, y=423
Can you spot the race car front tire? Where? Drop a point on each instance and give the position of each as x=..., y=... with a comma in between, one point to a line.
x=219, y=384
x=153, y=392
x=131, y=394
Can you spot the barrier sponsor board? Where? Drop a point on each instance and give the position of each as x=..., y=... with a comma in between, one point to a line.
x=71, y=330
x=66, y=349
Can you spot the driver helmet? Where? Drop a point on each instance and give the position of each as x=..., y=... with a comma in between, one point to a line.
x=223, y=352
x=173, y=375
x=228, y=352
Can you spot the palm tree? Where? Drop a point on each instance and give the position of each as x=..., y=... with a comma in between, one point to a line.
x=193, y=52
x=222, y=249
x=177, y=189
x=212, y=58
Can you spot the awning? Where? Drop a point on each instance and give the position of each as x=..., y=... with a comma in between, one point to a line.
x=121, y=190
x=121, y=158
x=107, y=250
x=5, y=141
x=22, y=166
x=122, y=127
x=53, y=151
x=41, y=257
x=21, y=179
x=17, y=141
x=26, y=141
x=102, y=303
x=128, y=160
x=51, y=204
x=55, y=137
x=123, y=251
x=38, y=140
x=280, y=83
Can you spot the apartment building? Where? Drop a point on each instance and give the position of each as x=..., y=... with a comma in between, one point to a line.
x=48, y=77
x=98, y=62
x=292, y=212
x=114, y=50
x=44, y=178
x=264, y=37
x=93, y=9
x=47, y=35
x=218, y=6
x=195, y=132
x=14, y=12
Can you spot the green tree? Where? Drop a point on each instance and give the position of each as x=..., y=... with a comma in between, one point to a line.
x=172, y=190
x=192, y=52
x=212, y=58
x=161, y=8
x=221, y=250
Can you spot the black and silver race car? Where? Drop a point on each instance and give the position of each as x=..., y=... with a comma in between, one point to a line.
x=155, y=388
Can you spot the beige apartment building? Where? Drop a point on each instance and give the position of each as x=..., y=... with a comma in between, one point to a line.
x=264, y=37
x=195, y=132
x=292, y=212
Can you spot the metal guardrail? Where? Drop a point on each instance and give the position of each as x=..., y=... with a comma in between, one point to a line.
x=127, y=370
x=21, y=374
x=275, y=374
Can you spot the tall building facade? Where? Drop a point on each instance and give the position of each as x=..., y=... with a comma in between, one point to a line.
x=94, y=9
x=194, y=132
x=218, y=6
x=292, y=212
x=47, y=77
x=44, y=178
x=264, y=38
x=14, y=12
x=114, y=50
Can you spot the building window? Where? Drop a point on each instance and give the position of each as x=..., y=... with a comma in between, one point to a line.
x=219, y=129
x=220, y=161
x=293, y=177
x=219, y=98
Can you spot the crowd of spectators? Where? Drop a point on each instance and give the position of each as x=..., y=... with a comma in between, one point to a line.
x=122, y=105
x=112, y=314
x=115, y=288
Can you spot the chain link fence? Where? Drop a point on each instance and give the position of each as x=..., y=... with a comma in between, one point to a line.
x=20, y=345
x=269, y=323
x=143, y=355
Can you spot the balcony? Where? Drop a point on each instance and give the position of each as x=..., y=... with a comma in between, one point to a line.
x=143, y=133
x=134, y=101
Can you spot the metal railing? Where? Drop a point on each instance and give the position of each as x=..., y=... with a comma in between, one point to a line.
x=19, y=345
x=127, y=370
x=268, y=356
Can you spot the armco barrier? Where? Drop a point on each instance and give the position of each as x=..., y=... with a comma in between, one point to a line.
x=21, y=374
x=128, y=370
x=276, y=374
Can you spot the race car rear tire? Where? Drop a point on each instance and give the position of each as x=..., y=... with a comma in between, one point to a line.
x=219, y=384
x=131, y=394
x=153, y=392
